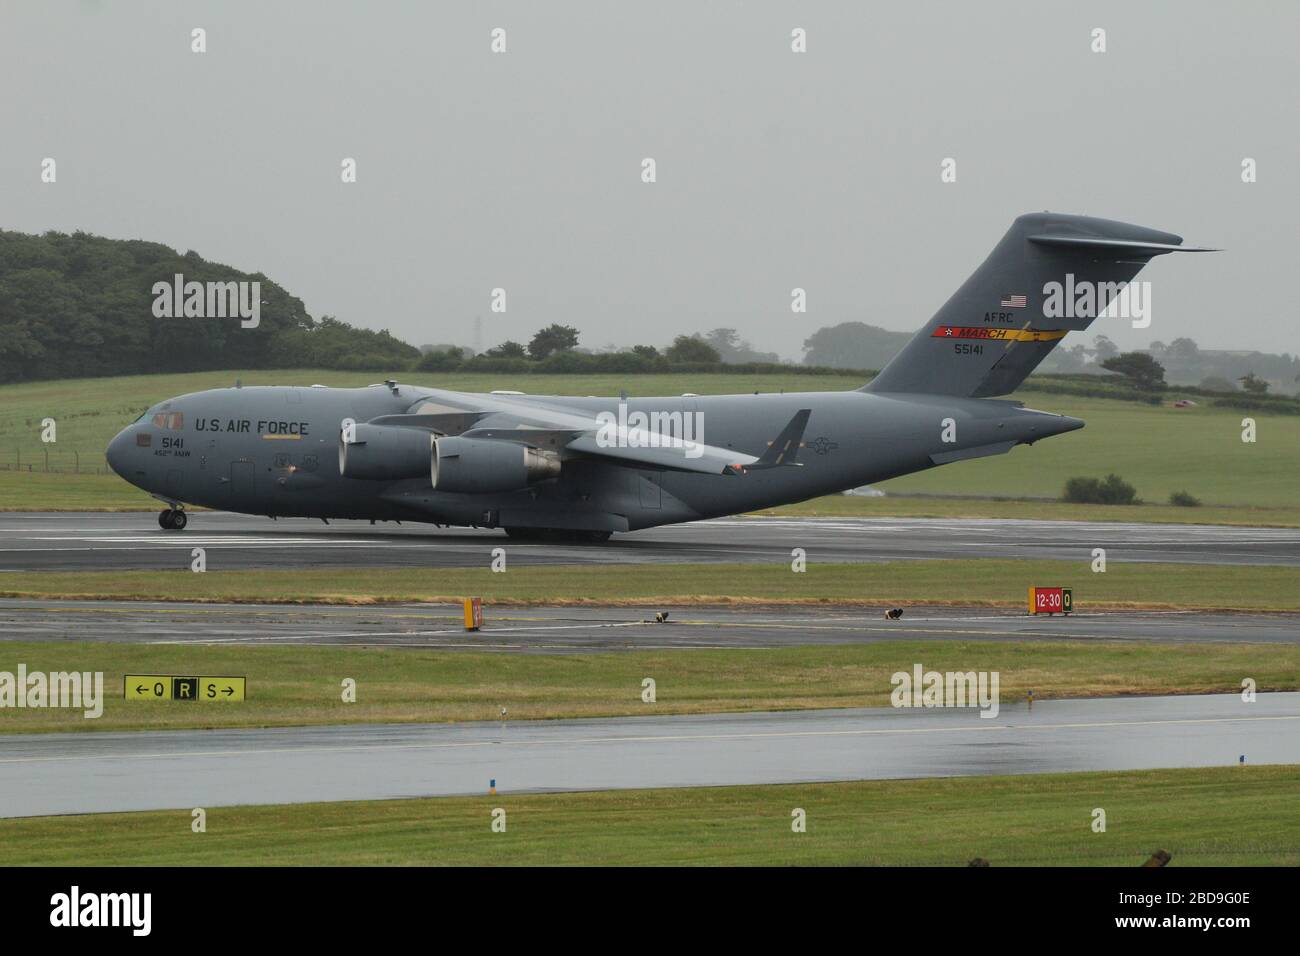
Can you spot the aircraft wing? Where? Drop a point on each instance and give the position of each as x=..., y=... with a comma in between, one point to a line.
x=631, y=445
x=683, y=456
x=444, y=423
x=710, y=459
x=507, y=418
x=551, y=438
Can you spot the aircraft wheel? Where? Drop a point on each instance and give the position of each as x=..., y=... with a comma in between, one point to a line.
x=554, y=534
x=165, y=519
x=179, y=521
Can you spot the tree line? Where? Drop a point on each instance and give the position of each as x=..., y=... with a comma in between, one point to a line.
x=81, y=305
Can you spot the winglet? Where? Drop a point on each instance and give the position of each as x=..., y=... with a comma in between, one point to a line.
x=785, y=449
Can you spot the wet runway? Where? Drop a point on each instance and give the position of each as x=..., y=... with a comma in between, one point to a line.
x=96, y=541
x=100, y=772
x=586, y=629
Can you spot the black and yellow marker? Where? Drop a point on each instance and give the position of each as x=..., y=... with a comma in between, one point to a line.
x=173, y=687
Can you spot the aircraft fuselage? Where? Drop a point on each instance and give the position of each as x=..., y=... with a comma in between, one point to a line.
x=275, y=451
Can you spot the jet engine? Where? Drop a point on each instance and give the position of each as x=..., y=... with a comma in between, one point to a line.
x=476, y=466
x=385, y=453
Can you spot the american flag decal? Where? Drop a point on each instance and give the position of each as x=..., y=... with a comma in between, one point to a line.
x=1014, y=302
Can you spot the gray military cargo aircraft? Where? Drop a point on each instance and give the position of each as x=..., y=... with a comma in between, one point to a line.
x=543, y=466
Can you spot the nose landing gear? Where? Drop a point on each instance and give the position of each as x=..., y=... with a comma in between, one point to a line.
x=172, y=519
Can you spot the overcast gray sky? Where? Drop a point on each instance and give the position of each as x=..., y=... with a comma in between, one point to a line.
x=775, y=170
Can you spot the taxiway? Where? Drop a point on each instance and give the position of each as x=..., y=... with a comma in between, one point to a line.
x=120, y=541
x=103, y=772
x=585, y=629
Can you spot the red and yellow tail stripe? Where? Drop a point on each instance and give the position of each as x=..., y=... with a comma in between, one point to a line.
x=998, y=334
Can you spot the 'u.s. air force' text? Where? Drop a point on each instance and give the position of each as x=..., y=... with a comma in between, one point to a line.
x=244, y=426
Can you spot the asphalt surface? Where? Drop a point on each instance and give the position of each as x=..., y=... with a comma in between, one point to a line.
x=101, y=772
x=96, y=541
x=586, y=629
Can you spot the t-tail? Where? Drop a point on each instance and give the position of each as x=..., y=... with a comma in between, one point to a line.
x=1051, y=274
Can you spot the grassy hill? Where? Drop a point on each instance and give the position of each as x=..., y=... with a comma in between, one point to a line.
x=1158, y=448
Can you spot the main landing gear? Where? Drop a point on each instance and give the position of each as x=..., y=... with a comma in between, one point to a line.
x=172, y=519
x=557, y=535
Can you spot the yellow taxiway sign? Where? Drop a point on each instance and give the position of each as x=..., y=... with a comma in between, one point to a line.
x=173, y=687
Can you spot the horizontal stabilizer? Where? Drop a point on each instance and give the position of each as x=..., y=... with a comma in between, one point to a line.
x=1116, y=248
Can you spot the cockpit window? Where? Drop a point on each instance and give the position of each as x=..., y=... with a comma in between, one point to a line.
x=172, y=421
x=160, y=420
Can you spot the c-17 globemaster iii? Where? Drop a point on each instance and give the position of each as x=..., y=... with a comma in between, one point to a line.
x=545, y=466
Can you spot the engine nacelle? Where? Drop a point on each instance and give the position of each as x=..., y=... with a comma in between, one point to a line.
x=385, y=453
x=476, y=466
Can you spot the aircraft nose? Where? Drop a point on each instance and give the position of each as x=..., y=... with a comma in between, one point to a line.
x=117, y=452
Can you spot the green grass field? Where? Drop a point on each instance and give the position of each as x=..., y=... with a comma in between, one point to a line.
x=301, y=685
x=1226, y=816
x=1158, y=449
x=966, y=582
